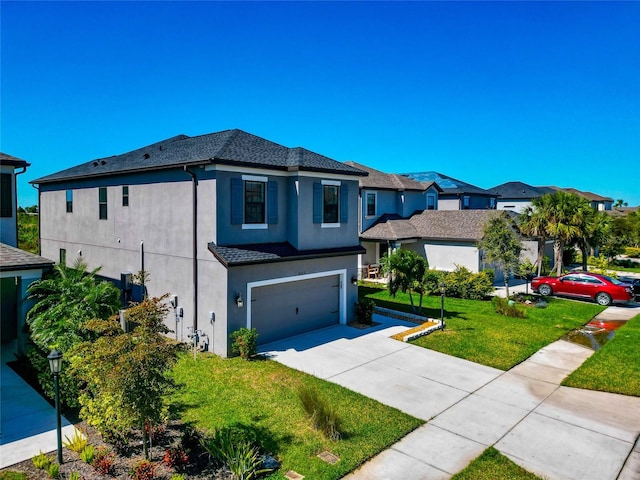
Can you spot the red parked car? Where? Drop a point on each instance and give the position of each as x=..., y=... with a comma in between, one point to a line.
x=601, y=288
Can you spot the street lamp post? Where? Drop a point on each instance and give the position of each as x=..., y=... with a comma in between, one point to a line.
x=55, y=363
x=443, y=288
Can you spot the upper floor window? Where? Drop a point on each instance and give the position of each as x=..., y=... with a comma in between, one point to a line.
x=330, y=203
x=431, y=202
x=254, y=202
x=465, y=202
x=69, y=201
x=371, y=204
x=102, y=202
x=492, y=203
x=125, y=195
x=6, y=195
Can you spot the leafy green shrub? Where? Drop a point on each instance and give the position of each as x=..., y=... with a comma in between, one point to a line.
x=11, y=475
x=77, y=442
x=322, y=413
x=53, y=470
x=364, y=310
x=230, y=447
x=504, y=307
x=245, y=342
x=41, y=461
x=103, y=461
x=143, y=470
x=87, y=454
x=633, y=252
x=462, y=283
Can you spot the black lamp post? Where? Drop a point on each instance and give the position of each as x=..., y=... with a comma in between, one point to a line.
x=55, y=363
x=443, y=288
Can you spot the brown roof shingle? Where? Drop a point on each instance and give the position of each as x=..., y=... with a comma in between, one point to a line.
x=12, y=258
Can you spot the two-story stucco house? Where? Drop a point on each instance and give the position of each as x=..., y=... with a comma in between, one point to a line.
x=18, y=269
x=242, y=231
x=456, y=194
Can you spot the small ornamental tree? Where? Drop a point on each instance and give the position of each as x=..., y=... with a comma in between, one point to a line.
x=127, y=372
x=408, y=273
x=501, y=245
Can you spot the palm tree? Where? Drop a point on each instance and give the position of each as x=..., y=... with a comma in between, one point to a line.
x=595, y=231
x=406, y=270
x=65, y=302
x=533, y=223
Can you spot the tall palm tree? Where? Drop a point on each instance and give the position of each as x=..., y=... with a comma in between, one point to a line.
x=533, y=223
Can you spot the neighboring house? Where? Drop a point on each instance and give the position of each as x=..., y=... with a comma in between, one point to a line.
x=240, y=231
x=18, y=269
x=597, y=202
x=388, y=194
x=446, y=238
x=456, y=194
x=516, y=196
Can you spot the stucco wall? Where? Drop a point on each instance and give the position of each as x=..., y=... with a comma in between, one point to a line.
x=445, y=256
x=514, y=205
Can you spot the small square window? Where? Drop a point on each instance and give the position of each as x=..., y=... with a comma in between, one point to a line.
x=125, y=196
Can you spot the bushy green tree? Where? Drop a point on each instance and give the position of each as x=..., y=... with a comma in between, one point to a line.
x=127, y=373
x=501, y=245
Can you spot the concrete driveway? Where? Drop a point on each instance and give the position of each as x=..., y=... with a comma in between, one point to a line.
x=556, y=432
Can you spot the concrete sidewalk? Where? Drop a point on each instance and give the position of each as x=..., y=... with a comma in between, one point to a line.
x=27, y=421
x=553, y=431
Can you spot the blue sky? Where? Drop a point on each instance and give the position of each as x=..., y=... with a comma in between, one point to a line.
x=547, y=93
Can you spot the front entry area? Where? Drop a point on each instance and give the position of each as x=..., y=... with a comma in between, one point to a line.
x=289, y=308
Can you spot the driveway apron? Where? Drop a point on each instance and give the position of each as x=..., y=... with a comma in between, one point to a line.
x=558, y=433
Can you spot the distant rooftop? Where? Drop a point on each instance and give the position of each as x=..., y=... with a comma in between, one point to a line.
x=230, y=147
x=519, y=190
x=389, y=181
x=448, y=184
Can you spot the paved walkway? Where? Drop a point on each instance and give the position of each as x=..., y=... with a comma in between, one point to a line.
x=27, y=421
x=559, y=433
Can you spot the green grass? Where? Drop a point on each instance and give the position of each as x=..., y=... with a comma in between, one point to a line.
x=492, y=465
x=474, y=331
x=261, y=397
x=615, y=367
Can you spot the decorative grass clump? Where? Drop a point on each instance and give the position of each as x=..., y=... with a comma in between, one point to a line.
x=232, y=448
x=322, y=414
x=77, y=442
x=87, y=454
x=41, y=461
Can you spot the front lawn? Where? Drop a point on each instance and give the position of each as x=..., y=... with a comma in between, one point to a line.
x=261, y=397
x=615, y=367
x=474, y=331
x=492, y=465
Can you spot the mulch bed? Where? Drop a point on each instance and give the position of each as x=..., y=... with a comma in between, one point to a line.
x=199, y=467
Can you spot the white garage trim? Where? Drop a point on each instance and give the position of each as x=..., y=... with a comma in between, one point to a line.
x=296, y=278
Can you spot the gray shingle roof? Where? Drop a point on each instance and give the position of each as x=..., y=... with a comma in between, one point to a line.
x=231, y=147
x=12, y=258
x=448, y=184
x=464, y=225
x=233, y=255
x=519, y=190
x=6, y=159
x=389, y=181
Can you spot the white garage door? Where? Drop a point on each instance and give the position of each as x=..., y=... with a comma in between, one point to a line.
x=291, y=308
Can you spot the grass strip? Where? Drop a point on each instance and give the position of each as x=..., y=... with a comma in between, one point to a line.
x=475, y=332
x=492, y=465
x=615, y=367
x=261, y=397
